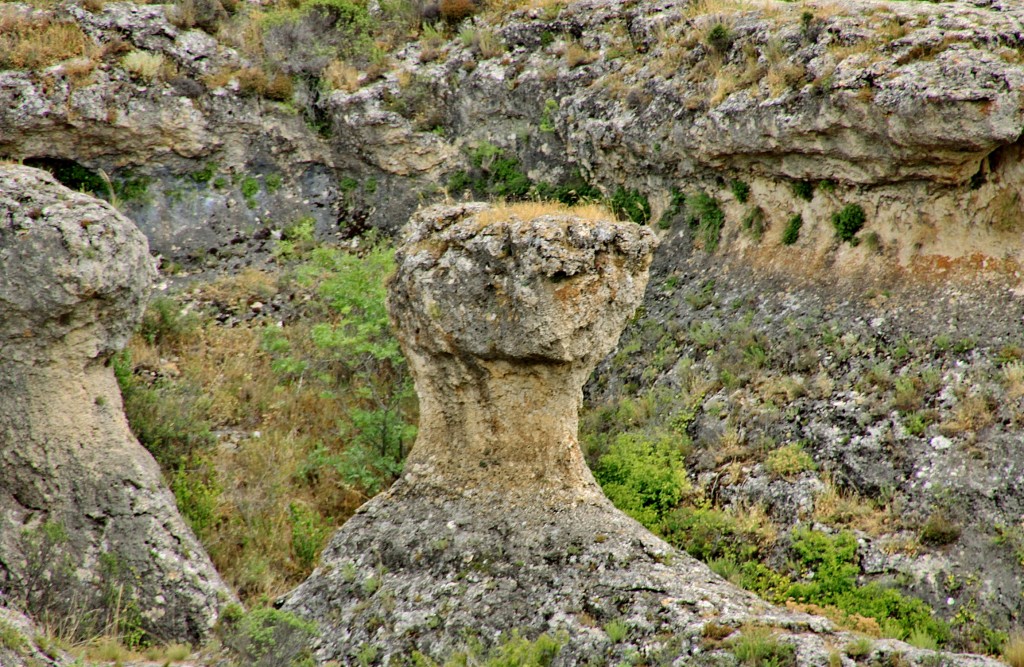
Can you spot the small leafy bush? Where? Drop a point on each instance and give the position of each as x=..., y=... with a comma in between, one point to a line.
x=709, y=533
x=791, y=233
x=720, y=37
x=76, y=176
x=643, y=477
x=266, y=637
x=848, y=221
x=629, y=204
x=832, y=559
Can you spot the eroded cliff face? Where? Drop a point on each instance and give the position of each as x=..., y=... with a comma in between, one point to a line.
x=91, y=536
x=909, y=110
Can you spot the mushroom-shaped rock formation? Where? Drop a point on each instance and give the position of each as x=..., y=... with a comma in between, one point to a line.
x=496, y=524
x=89, y=535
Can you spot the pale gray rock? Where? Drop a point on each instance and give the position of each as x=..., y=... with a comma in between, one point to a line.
x=89, y=533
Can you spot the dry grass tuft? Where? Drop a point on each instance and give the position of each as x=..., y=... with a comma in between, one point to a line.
x=35, y=44
x=576, y=54
x=340, y=75
x=143, y=64
x=1013, y=379
x=1013, y=650
x=845, y=508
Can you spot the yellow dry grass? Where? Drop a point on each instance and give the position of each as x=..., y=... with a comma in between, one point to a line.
x=37, y=44
x=534, y=209
x=269, y=429
x=1013, y=650
x=1013, y=379
x=845, y=508
x=143, y=64
x=340, y=75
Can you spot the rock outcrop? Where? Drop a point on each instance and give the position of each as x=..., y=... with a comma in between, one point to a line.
x=90, y=538
x=496, y=524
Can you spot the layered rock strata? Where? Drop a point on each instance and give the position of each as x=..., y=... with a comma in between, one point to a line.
x=90, y=538
x=496, y=524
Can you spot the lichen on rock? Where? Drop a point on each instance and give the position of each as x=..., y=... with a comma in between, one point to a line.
x=88, y=530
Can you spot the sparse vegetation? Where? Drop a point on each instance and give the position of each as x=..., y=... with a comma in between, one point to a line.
x=760, y=647
x=740, y=190
x=337, y=371
x=803, y=190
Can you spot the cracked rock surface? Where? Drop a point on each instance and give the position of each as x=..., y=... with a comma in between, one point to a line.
x=88, y=530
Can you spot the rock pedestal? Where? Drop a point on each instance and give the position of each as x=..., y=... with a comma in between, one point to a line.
x=496, y=525
x=502, y=320
x=90, y=538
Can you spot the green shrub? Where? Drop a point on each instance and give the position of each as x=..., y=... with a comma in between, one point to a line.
x=803, y=190
x=512, y=650
x=205, y=174
x=547, y=123
x=131, y=188
x=832, y=559
x=573, y=190
x=848, y=221
x=709, y=533
x=495, y=173
x=197, y=492
x=167, y=419
x=309, y=533
x=166, y=322
x=740, y=190
x=629, y=204
x=643, y=477
x=791, y=233
x=73, y=175
x=250, y=187
x=266, y=637
x=720, y=37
